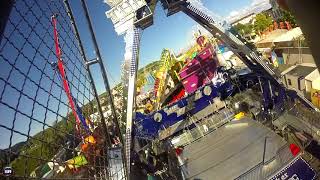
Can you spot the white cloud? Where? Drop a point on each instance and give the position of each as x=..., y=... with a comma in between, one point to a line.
x=255, y=6
x=255, y=2
x=202, y=7
x=190, y=39
x=234, y=13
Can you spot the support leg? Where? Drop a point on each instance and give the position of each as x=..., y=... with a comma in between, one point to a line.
x=132, y=39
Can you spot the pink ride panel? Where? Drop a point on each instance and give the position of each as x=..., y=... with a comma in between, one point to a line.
x=200, y=70
x=194, y=81
x=192, y=66
x=206, y=54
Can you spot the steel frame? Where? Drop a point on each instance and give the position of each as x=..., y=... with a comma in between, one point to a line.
x=88, y=63
x=236, y=44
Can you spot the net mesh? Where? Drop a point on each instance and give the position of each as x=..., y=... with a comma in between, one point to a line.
x=38, y=130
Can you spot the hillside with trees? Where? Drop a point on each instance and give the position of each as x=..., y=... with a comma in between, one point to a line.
x=41, y=148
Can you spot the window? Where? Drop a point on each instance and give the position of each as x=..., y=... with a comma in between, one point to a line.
x=289, y=82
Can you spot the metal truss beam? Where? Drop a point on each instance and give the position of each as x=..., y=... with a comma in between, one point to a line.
x=250, y=57
x=132, y=39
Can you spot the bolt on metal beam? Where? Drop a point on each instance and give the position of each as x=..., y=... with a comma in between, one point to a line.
x=92, y=61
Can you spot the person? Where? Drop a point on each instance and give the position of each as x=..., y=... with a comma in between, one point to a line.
x=205, y=127
x=149, y=107
x=182, y=161
x=116, y=141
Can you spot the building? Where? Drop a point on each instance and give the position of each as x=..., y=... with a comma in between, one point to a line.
x=113, y=3
x=301, y=77
x=118, y=102
x=268, y=12
x=313, y=87
x=114, y=92
x=276, y=11
x=288, y=45
x=103, y=100
x=248, y=19
x=96, y=119
x=296, y=55
x=293, y=47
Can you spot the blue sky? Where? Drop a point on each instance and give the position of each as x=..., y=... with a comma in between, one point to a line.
x=172, y=32
x=167, y=32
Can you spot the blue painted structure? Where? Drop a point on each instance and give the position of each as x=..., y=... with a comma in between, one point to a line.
x=146, y=127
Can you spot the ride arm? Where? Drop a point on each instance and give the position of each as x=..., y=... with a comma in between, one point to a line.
x=249, y=56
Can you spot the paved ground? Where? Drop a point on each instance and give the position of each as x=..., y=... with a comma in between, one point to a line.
x=231, y=150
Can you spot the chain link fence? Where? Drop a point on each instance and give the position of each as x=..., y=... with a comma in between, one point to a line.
x=39, y=134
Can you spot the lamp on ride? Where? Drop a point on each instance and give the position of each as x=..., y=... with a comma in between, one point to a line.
x=295, y=150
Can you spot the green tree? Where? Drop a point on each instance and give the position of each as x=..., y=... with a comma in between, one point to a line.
x=262, y=21
x=287, y=16
x=244, y=29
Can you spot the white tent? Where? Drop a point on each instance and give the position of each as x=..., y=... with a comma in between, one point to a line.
x=289, y=36
x=267, y=42
x=280, y=36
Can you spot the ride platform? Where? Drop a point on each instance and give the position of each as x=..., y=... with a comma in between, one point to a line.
x=234, y=149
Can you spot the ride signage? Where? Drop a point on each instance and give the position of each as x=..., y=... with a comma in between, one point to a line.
x=297, y=169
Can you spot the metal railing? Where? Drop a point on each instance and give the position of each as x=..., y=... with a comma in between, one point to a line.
x=203, y=127
x=264, y=170
x=39, y=137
